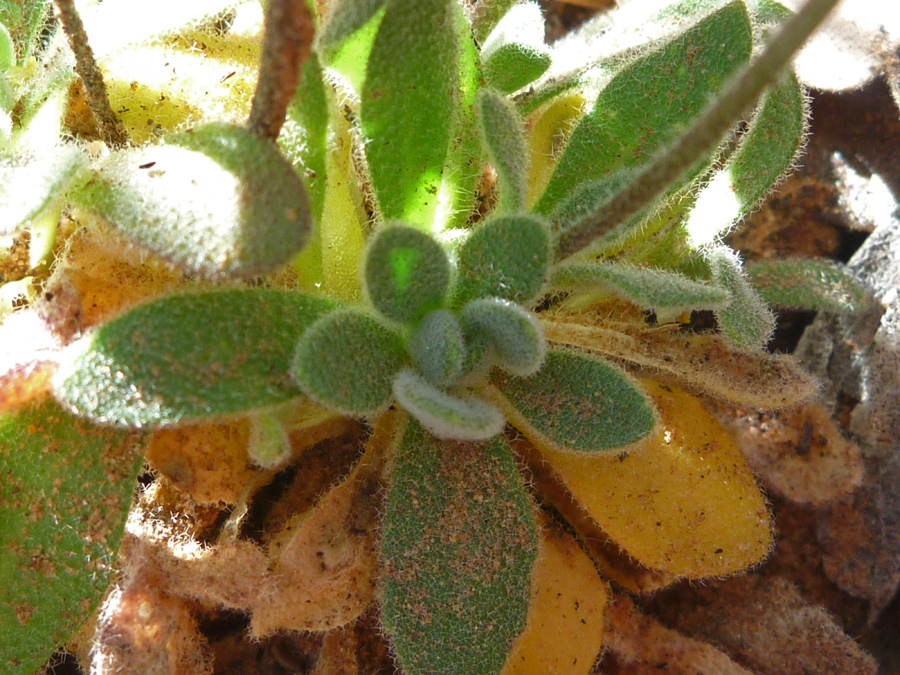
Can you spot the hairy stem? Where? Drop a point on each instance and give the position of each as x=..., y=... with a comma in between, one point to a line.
x=111, y=130
x=703, y=136
x=289, y=34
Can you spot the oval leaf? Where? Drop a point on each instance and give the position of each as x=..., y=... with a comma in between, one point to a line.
x=455, y=590
x=682, y=501
x=747, y=322
x=407, y=273
x=347, y=361
x=503, y=136
x=438, y=348
x=444, y=415
x=188, y=357
x=216, y=200
x=629, y=124
x=576, y=404
x=67, y=486
x=512, y=333
x=409, y=100
x=808, y=284
x=507, y=257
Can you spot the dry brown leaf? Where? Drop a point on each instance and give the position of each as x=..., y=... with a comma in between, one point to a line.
x=800, y=454
x=703, y=363
x=646, y=646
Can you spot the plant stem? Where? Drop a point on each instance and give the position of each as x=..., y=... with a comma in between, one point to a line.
x=111, y=130
x=289, y=34
x=703, y=135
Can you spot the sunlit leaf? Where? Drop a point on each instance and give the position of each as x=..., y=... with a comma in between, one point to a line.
x=347, y=360
x=629, y=124
x=514, y=54
x=410, y=97
x=458, y=550
x=445, y=415
x=576, y=404
x=187, y=357
x=67, y=486
x=808, y=284
x=217, y=200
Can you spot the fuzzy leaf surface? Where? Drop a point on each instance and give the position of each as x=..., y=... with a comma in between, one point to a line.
x=27, y=190
x=648, y=102
x=746, y=321
x=459, y=546
x=347, y=360
x=765, y=153
x=67, y=488
x=217, y=200
x=189, y=357
x=576, y=403
x=409, y=101
x=438, y=347
x=460, y=418
x=646, y=287
x=407, y=273
x=503, y=136
x=808, y=284
x=506, y=257
x=512, y=333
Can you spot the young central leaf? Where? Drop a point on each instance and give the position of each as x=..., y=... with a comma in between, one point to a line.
x=410, y=97
x=406, y=273
x=347, y=360
x=214, y=200
x=191, y=356
x=458, y=551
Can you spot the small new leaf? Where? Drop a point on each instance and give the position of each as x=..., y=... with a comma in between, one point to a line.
x=347, y=360
x=216, y=200
x=747, y=321
x=269, y=445
x=444, y=415
x=406, y=272
x=646, y=287
x=502, y=135
x=458, y=550
x=512, y=334
x=189, y=357
x=505, y=257
x=437, y=348
x=808, y=284
x=576, y=403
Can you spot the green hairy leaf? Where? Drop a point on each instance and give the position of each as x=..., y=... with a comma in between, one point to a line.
x=217, y=200
x=304, y=137
x=7, y=49
x=746, y=321
x=410, y=98
x=502, y=135
x=347, y=360
x=67, y=486
x=407, y=273
x=23, y=18
x=513, y=335
x=506, y=257
x=268, y=445
x=345, y=41
x=808, y=284
x=459, y=546
x=486, y=14
x=647, y=287
x=629, y=124
x=765, y=153
x=189, y=357
x=26, y=190
x=460, y=418
x=437, y=348
x=514, y=54
x=577, y=403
